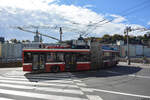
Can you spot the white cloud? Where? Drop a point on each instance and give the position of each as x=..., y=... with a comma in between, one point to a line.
x=26, y=4
x=72, y=18
x=148, y=23
x=118, y=18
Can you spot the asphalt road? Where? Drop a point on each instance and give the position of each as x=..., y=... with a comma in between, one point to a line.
x=118, y=83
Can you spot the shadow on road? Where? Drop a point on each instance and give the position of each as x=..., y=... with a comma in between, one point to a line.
x=109, y=72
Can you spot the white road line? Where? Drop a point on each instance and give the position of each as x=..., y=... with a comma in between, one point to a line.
x=39, y=83
x=14, y=76
x=10, y=78
x=86, y=89
x=121, y=93
x=139, y=76
x=77, y=80
x=16, y=86
x=52, y=80
x=49, y=89
x=1, y=98
x=38, y=95
x=94, y=97
x=71, y=91
x=81, y=84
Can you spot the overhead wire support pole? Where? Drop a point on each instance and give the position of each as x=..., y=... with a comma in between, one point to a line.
x=127, y=30
x=128, y=60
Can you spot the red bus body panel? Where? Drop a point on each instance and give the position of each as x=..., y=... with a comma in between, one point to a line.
x=83, y=66
x=27, y=67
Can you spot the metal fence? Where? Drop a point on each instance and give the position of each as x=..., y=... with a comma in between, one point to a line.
x=10, y=52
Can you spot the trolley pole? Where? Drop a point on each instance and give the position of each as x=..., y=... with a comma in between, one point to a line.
x=127, y=30
x=60, y=34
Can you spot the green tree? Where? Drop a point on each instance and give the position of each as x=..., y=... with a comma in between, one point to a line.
x=14, y=40
x=106, y=38
x=116, y=37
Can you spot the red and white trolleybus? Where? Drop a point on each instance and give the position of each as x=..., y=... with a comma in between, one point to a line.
x=56, y=60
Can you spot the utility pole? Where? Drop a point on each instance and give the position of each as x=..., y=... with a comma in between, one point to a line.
x=126, y=31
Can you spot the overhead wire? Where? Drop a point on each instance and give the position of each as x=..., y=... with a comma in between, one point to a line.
x=134, y=7
x=105, y=21
x=126, y=13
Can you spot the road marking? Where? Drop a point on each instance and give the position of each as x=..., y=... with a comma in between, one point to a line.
x=77, y=80
x=94, y=97
x=62, y=90
x=81, y=84
x=16, y=86
x=72, y=91
x=38, y=95
x=39, y=83
x=86, y=89
x=32, y=79
x=10, y=78
x=1, y=98
x=139, y=76
x=121, y=93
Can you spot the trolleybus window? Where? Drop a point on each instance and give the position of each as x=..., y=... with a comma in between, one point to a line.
x=83, y=57
x=55, y=57
x=27, y=57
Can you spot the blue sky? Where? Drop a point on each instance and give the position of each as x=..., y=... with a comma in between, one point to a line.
x=74, y=16
x=140, y=12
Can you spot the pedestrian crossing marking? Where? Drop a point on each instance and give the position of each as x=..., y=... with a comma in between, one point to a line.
x=72, y=88
x=81, y=84
x=86, y=89
x=77, y=80
x=38, y=79
x=48, y=89
x=1, y=98
x=39, y=95
x=94, y=97
x=39, y=83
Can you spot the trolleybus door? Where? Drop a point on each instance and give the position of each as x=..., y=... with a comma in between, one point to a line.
x=35, y=62
x=70, y=62
x=39, y=61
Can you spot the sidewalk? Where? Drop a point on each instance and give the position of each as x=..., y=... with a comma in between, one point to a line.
x=136, y=64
